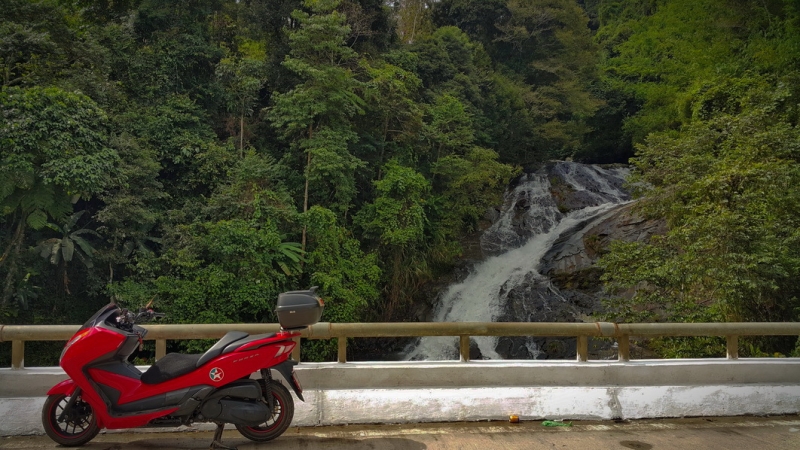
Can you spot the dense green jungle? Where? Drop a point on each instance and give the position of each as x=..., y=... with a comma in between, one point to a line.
x=209, y=154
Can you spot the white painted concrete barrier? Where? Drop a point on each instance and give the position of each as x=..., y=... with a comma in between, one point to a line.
x=491, y=390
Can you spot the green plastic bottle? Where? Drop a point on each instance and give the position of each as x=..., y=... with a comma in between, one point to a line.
x=556, y=423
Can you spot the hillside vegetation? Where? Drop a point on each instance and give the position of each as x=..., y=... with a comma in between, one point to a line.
x=210, y=154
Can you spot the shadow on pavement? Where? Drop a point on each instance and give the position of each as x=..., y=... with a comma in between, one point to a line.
x=295, y=443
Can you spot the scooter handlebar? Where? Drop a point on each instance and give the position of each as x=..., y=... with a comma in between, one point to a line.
x=126, y=320
x=146, y=315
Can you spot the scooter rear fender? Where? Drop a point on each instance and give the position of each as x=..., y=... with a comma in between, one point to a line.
x=286, y=369
x=66, y=387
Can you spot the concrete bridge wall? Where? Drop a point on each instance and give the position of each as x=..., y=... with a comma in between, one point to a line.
x=395, y=392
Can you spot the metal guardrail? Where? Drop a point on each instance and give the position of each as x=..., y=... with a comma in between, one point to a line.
x=19, y=334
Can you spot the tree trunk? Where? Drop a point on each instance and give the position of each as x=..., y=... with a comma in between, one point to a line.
x=65, y=277
x=12, y=254
x=394, y=295
x=305, y=193
x=383, y=146
x=241, y=136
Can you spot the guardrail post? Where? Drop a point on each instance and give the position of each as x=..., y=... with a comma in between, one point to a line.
x=624, y=347
x=463, y=348
x=296, y=351
x=342, y=353
x=161, y=348
x=17, y=354
x=583, y=348
x=733, y=347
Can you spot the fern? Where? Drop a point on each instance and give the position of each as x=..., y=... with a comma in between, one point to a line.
x=39, y=196
x=37, y=219
x=60, y=208
x=6, y=187
x=39, y=199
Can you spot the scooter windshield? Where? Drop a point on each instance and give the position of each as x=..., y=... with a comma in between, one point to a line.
x=98, y=316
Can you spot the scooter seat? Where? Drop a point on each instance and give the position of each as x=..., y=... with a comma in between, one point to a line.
x=216, y=349
x=241, y=342
x=170, y=366
x=174, y=365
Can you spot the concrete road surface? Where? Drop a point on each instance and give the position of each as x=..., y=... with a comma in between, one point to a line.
x=747, y=433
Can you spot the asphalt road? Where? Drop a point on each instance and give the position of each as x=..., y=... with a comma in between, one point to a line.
x=747, y=433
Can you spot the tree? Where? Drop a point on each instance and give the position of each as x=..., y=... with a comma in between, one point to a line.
x=727, y=187
x=496, y=109
x=20, y=47
x=315, y=115
x=680, y=49
x=510, y=119
x=396, y=220
x=449, y=128
x=473, y=183
x=133, y=206
x=348, y=278
x=224, y=271
x=477, y=18
x=54, y=149
x=413, y=19
x=549, y=43
x=177, y=129
x=542, y=50
x=392, y=92
x=227, y=255
x=60, y=251
x=243, y=76
x=48, y=43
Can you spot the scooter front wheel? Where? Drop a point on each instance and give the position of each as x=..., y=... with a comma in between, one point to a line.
x=69, y=426
x=281, y=417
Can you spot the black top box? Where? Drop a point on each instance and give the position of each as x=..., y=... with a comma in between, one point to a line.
x=299, y=309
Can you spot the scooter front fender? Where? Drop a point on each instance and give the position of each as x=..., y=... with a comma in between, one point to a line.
x=66, y=387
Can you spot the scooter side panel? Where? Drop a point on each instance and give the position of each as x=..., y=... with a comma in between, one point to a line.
x=217, y=373
x=284, y=338
x=138, y=420
x=92, y=345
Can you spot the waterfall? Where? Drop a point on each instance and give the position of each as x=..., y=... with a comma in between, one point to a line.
x=530, y=222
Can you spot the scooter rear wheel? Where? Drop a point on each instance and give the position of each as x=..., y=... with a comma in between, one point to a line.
x=278, y=422
x=77, y=426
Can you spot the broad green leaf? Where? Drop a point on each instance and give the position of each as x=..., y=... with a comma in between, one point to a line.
x=85, y=231
x=73, y=219
x=284, y=267
x=86, y=261
x=55, y=252
x=67, y=249
x=84, y=245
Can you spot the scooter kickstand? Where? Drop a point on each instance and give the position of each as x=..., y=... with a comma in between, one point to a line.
x=217, y=442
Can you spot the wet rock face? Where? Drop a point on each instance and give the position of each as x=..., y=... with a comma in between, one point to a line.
x=571, y=292
x=538, y=299
x=519, y=220
x=539, y=261
x=530, y=209
x=567, y=287
x=580, y=250
x=600, y=185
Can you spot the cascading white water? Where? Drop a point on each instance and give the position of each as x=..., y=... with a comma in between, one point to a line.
x=482, y=295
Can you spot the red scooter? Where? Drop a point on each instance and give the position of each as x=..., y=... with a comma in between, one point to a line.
x=107, y=391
